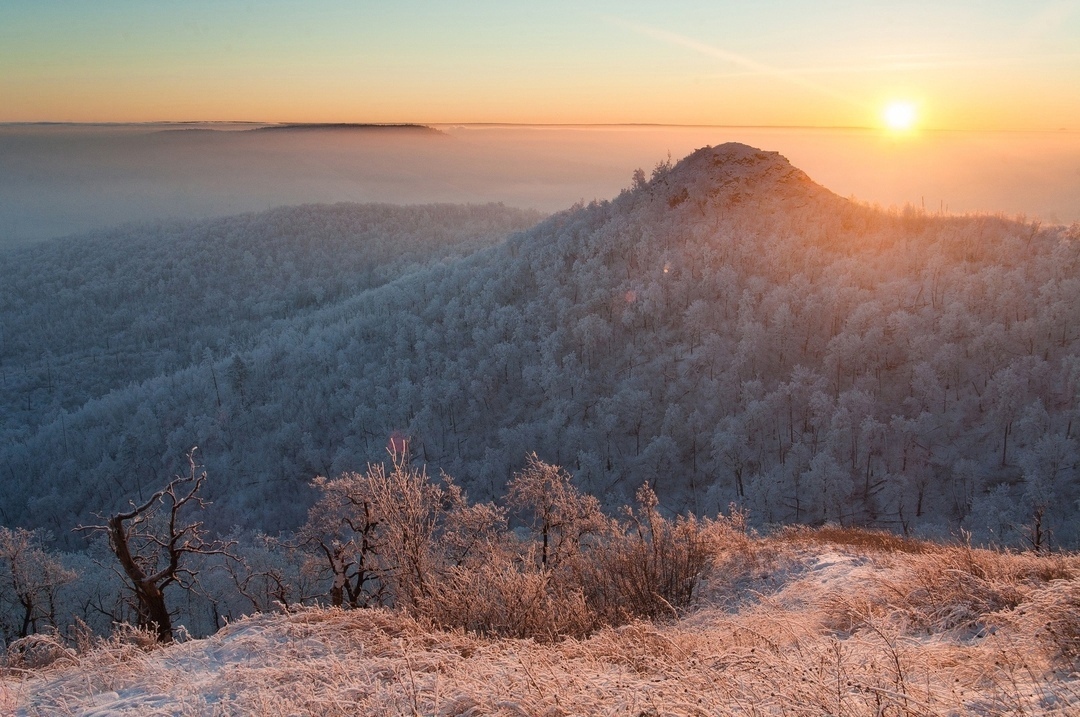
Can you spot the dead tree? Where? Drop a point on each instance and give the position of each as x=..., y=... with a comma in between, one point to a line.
x=152, y=544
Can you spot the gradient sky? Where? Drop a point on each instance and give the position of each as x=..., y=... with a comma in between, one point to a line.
x=966, y=64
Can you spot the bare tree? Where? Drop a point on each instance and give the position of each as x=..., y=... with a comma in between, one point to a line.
x=344, y=530
x=152, y=544
x=559, y=512
x=411, y=510
x=29, y=580
x=392, y=534
x=272, y=573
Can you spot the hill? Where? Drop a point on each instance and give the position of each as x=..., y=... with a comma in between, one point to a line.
x=802, y=623
x=417, y=129
x=725, y=330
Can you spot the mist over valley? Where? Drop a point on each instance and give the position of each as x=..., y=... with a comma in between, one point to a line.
x=60, y=179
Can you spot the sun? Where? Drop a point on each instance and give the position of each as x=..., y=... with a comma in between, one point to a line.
x=900, y=116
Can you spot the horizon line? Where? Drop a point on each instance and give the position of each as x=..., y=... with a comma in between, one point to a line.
x=556, y=125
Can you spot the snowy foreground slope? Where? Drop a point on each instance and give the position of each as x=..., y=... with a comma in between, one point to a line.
x=802, y=623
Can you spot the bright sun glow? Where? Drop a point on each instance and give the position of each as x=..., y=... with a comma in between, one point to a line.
x=900, y=116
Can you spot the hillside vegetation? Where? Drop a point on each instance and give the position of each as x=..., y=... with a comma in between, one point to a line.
x=805, y=622
x=458, y=462
x=88, y=320
x=726, y=330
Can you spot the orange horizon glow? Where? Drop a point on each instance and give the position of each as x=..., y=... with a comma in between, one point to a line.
x=786, y=63
x=948, y=118
x=811, y=112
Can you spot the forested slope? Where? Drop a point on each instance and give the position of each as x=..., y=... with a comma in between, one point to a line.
x=84, y=316
x=726, y=330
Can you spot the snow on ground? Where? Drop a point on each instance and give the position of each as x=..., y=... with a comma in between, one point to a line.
x=788, y=627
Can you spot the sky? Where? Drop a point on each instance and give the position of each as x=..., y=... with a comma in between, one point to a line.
x=963, y=64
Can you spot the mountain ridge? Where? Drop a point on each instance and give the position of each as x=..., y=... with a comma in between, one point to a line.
x=791, y=351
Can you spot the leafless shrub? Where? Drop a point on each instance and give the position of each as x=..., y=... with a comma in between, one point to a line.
x=410, y=508
x=507, y=601
x=649, y=567
x=577, y=571
x=486, y=581
x=472, y=535
x=494, y=583
x=558, y=513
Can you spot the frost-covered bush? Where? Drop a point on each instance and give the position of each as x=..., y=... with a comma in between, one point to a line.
x=394, y=535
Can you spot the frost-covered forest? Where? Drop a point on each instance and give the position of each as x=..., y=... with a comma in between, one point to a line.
x=89, y=317
x=725, y=330
x=725, y=336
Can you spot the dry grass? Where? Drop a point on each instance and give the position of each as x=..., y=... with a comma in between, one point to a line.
x=818, y=628
x=502, y=600
x=864, y=539
x=953, y=588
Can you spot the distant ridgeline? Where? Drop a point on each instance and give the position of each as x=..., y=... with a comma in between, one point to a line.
x=351, y=127
x=726, y=329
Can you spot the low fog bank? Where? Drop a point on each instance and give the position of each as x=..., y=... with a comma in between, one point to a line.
x=62, y=179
